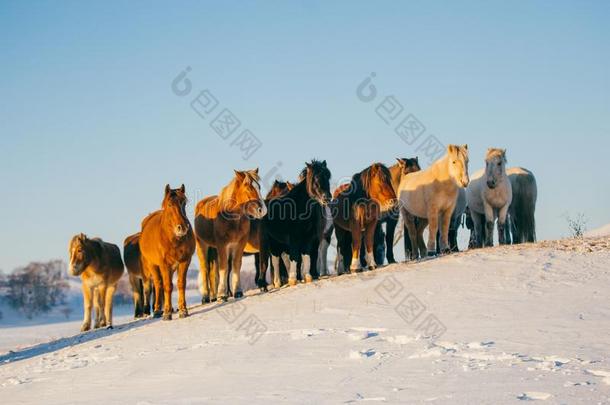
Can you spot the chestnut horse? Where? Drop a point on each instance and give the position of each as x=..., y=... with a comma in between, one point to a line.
x=357, y=209
x=296, y=222
x=223, y=222
x=100, y=267
x=141, y=283
x=167, y=245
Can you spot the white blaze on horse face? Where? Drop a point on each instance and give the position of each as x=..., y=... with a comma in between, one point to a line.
x=262, y=211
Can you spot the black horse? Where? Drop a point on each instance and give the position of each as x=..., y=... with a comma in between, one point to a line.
x=296, y=222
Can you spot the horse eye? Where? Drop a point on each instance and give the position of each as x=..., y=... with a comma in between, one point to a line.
x=454, y=162
x=499, y=163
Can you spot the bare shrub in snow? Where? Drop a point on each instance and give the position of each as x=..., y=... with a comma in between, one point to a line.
x=577, y=225
x=37, y=287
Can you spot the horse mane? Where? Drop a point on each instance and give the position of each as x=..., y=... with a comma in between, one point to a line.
x=361, y=182
x=495, y=152
x=227, y=198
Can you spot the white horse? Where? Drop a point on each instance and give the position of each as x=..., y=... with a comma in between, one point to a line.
x=489, y=195
x=431, y=195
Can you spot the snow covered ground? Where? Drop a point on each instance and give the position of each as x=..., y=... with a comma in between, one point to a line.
x=494, y=326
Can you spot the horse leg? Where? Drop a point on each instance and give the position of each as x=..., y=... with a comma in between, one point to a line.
x=356, y=244
x=158, y=289
x=489, y=225
x=108, y=305
x=323, y=257
x=306, y=267
x=136, y=288
x=182, y=271
x=204, y=286
x=147, y=289
x=236, y=259
x=478, y=223
x=390, y=228
x=87, y=304
x=100, y=309
x=421, y=224
x=502, y=224
x=275, y=265
x=411, y=234
x=96, y=308
x=446, y=222
x=166, y=276
x=223, y=269
x=369, y=240
x=292, y=270
x=433, y=214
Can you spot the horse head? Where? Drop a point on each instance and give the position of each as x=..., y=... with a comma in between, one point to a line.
x=495, y=167
x=278, y=189
x=174, y=210
x=377, y=184
x=317, y=180
x=81, y=254
x=408, y=165
x=247, y=193
x=458, y=164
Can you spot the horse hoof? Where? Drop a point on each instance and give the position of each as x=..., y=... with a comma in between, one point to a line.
x=238, y=294
x=109, y=327
x=157, y=314
x=223, y=298
x=371, y=267
x=431, y=254
x=292, y=282
x=213, y=299
x=85, y=327
x=167, y=316
x=391, y=261
x=183, y=313
x=308, y=279
x=277, y=286
x=263, y=289
x=205, y=300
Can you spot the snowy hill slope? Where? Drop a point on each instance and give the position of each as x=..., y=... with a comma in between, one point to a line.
x=601, y=231
x=515, y=323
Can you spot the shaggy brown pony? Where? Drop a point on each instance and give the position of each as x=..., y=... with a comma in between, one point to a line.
x=357, y=209
x=141, y=283
x=100, y=267
x=167, y=245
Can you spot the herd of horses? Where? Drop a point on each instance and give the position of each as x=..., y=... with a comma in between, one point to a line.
x=290, y=229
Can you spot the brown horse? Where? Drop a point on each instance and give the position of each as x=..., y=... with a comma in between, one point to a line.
x=356, y=210
x=223, y=222
x=167, y=245
x=141, y=283
x=100, y=267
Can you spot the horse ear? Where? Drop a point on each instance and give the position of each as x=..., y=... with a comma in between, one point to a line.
x=256, y=171
x=417, y=159
x=240, y=175
x=465, y=146
x=182, y=188
x=324, y=163
x=451, y=149
x=167, y=189
x=401, y=162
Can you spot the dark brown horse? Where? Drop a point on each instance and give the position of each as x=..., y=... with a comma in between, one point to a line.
x=278, y=189
x=223, y=222
x=141, y=283
x=356, y=210
x=167, y=245
x=295, y=224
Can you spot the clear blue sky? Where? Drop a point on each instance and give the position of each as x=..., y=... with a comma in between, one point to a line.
x=90, y=130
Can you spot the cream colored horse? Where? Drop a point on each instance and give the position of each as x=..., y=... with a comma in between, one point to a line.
x=489, y=195
x=431, y=194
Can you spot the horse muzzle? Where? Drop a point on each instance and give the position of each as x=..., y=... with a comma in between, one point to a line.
x=491, y=184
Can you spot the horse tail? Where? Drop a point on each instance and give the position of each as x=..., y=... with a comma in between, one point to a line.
x=525, y=209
